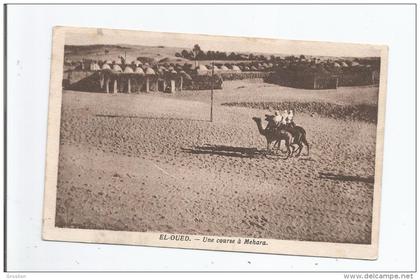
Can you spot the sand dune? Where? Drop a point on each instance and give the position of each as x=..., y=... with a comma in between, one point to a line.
x=154, y=163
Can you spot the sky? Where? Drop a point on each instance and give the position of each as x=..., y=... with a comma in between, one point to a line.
x=88, y=36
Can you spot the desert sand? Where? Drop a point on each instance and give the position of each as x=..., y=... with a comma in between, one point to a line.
x=154, y=162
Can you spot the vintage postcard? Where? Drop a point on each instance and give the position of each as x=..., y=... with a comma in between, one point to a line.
x=215, y=142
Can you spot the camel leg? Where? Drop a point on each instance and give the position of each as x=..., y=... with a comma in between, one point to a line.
x=293, y=147
x=276, y=146
x=299, y=149
x=282, y=150
x=303, y=140
x=307, y=146
x=289, y=152
x=268, y=147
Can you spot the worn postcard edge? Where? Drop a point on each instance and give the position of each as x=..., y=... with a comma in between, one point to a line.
x=158, y=239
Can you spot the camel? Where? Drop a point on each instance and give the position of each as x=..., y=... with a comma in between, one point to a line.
x=275, y=135
x=299, y=136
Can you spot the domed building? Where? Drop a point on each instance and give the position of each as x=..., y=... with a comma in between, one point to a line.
x=202, y=70
x=236, y=68
x=106, y=67
x=149, y=71
x=139, y=71
x=150, y=77
x=216, y=69
x=128, y=69
x=116, y=68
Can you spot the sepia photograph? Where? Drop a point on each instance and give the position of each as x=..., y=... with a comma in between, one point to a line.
x=214, y=142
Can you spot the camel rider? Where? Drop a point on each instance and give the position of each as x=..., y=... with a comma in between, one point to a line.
x=284, y=115
x=278, y=119
x=273, y=120
x=289, y=119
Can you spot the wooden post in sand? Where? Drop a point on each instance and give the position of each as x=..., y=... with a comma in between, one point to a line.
x=147, y=84
x=172, y=86
x=128, y=85
x=101, y=79
x=115, y=85
x=107, y=81
x=180, y=83
x=139, y=83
